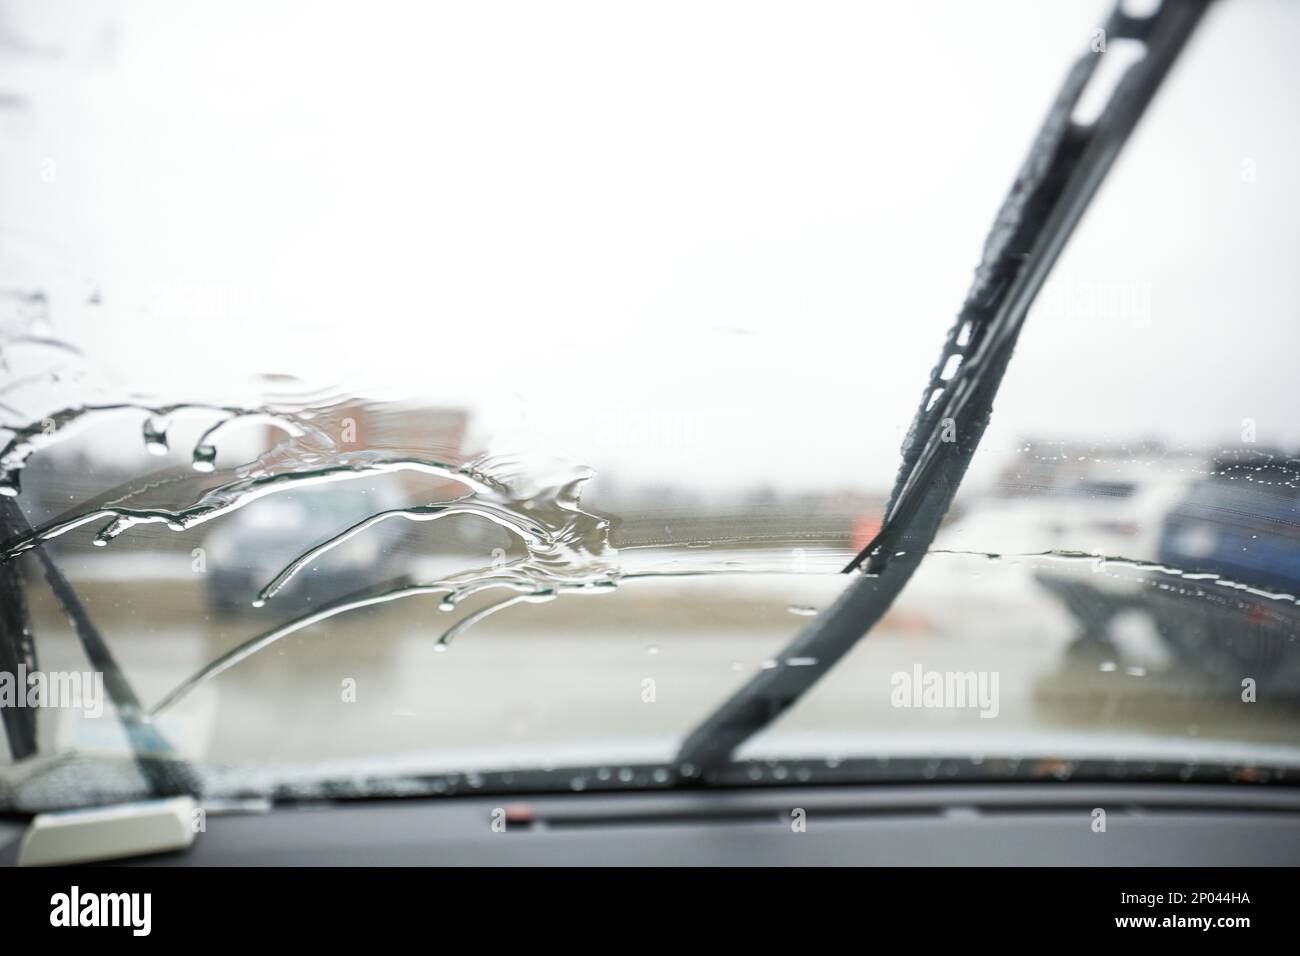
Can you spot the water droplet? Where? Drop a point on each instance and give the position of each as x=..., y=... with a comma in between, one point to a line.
x=155, y=436
x=205, y=458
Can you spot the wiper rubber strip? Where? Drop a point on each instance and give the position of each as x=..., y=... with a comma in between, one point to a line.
x=1066, y=164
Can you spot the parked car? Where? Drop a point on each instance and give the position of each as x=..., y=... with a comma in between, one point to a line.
x=1222, y=599
x=1241, y=523
x=254, y=544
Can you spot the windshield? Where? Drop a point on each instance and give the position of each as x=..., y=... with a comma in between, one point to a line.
x=416, y=398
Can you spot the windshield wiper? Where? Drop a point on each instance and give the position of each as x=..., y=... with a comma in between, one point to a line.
x=165, y=773
x=1066, y=164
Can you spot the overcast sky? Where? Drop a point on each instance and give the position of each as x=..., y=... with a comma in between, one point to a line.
x=709, y=242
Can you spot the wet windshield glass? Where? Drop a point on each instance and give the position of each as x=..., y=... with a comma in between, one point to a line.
x=399, y=395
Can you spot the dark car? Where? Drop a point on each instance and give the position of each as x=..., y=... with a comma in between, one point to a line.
x=1241, y=524
x=259, y=541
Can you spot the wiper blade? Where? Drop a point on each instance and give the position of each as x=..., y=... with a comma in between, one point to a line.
x=17, y=643
x=164, y=771
x=1066, y=164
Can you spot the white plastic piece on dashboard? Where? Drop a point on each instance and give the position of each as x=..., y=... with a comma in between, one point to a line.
x=108, y=833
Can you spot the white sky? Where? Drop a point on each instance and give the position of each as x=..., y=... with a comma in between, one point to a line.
x=705, y=242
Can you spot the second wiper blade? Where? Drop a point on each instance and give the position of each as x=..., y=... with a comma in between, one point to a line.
x=1066, y=164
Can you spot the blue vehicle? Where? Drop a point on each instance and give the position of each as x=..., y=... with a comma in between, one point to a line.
x=1241, y=523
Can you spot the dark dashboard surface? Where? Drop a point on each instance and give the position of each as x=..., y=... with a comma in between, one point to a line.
x=939, y=824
